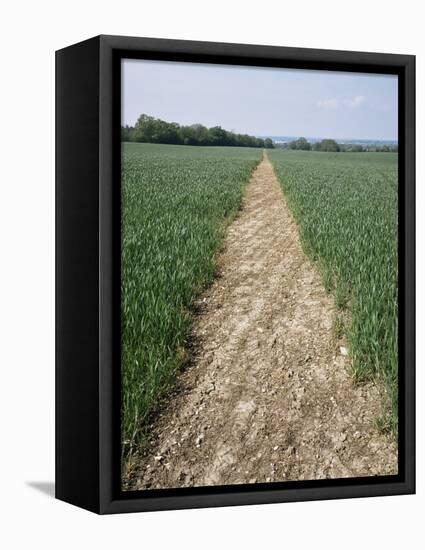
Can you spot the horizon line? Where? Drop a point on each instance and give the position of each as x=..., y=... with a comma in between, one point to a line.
x=298, y=136
x=261, y=136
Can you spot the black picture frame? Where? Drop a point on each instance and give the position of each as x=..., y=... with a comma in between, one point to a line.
x=88, y=273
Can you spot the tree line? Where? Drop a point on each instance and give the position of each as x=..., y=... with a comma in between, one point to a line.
x=154, y=130
x=330, y=145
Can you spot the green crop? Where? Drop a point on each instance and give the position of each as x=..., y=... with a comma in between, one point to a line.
x=176, y=202
x=346, y=206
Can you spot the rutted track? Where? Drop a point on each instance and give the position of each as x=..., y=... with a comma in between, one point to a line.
x=269, y=396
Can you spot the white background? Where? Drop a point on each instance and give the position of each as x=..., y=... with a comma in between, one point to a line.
x=30, y=32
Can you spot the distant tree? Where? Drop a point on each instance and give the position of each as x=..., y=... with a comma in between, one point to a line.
x=327, y=145
x=268, y=143
x=127, y=133
x=217, y=136
x=300, y=144
x=199, y=133
x=144, y=130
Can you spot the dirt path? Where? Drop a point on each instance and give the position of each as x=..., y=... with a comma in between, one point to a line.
x=269, y=397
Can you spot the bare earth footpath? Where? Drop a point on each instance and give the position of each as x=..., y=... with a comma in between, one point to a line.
x=269, y=396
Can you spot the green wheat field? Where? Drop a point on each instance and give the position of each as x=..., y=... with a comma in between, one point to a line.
x=176, y=204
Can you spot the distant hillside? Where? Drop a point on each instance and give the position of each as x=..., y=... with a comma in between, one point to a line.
x=344, y=141
x=331, y=145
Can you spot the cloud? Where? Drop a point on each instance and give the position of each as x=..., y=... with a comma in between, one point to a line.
x=355, y=102
x=331, y=103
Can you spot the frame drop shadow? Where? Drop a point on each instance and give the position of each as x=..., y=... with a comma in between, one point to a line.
x=46, y=487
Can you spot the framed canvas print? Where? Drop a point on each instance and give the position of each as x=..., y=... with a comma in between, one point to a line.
x=235, y=274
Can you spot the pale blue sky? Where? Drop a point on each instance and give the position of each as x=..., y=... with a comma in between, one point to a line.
x=262, y=101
